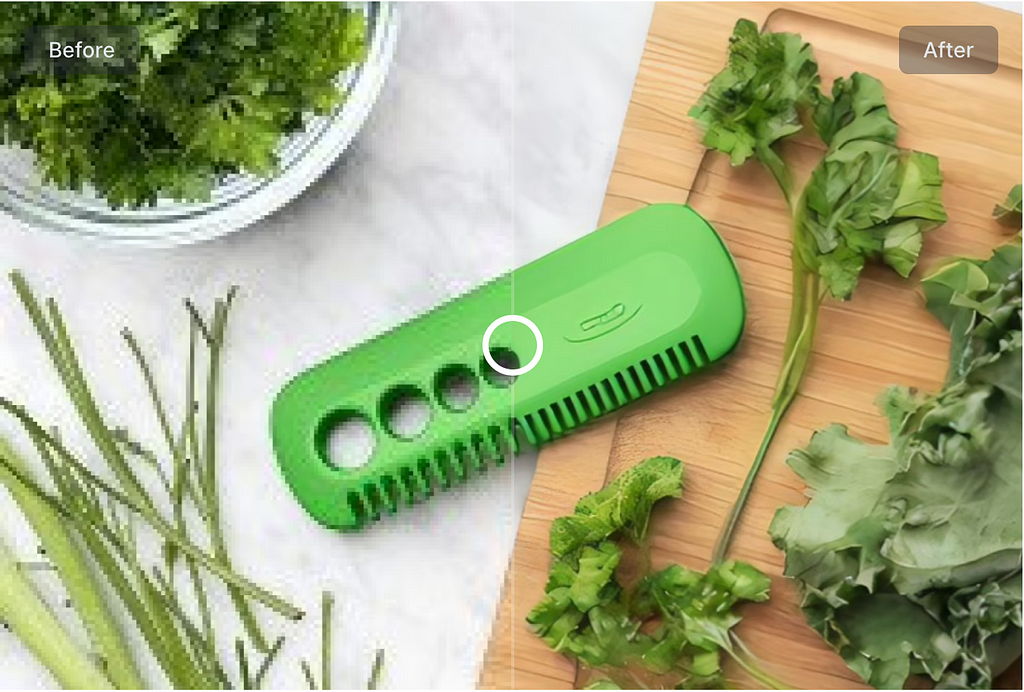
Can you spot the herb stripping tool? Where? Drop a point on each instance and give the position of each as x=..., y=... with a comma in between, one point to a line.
x=625, y=310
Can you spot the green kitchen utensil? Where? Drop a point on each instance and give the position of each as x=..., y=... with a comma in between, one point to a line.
x=629, y=308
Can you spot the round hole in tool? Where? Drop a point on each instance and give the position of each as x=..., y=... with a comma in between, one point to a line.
x=504, y=357
x=405, y=411
x=347, y=440
x=457, y=388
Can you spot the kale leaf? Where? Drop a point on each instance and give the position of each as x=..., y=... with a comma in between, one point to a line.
x=908, y=555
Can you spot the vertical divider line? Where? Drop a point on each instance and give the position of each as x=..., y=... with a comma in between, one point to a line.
x=512, y=311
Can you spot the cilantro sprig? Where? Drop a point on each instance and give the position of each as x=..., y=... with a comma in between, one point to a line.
x=866, y=200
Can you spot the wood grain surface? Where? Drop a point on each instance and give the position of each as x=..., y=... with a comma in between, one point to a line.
x=883, y=336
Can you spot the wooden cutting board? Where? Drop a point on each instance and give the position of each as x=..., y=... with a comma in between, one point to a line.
x=883, y=336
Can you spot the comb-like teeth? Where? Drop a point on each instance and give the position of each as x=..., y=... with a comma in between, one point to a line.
x=501, y=443
x=445, y=468
x=497, y=442
x=592, y=397
x=426, y=475
x=613, y=392
x=526, y=424
x=478, y=454
x=572, y=413
x=375, y=500
x=409, y=485
x=543, y=432
x=652, y=373
x=688, y=354
x=460, y=462
x=629, y=385
x=677, y=360
x=560, y=418
x=618, y=394
x=701, y=351
x=390, y=495
x=356, y=505
x=666, y=366
x=552, y=421
x=641, y=377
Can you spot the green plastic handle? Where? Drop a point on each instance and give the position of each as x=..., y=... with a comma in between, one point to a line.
x=623, y=311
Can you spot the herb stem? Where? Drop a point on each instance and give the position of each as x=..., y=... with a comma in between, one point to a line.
x=725, y=537
x=307, y=673
x=763, y=678
x=750, y=663
x=796, y=356
x=215, y=341
x=154, y=394
x=243, y=665
x=377, y=671
x=204, y=607
x=268, y=660
x=326, y=613
x=779, y=170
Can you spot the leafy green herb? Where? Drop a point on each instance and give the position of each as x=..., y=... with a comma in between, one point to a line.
x=756, y=100
x=668, y=629
x=624, y=504
x=1008, y=212
x=908, y=555
x=218, y=87
x=866, y=199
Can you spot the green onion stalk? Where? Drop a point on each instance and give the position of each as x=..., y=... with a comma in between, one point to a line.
x=82, y=514
x=32, y=621
x=25, y=613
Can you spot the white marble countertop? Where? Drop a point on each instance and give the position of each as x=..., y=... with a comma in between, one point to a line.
x=491, y=146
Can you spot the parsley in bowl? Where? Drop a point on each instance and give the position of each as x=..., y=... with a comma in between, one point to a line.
x=229, y=103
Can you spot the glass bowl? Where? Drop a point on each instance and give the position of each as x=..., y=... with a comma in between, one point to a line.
x=238, y=200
